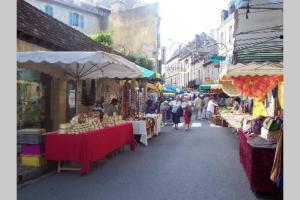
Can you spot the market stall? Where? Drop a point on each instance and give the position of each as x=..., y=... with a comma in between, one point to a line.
x=96, y=137
x=88, y=146
x=258, y=133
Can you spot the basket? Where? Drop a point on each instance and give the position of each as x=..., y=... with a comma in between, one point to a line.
x=30, y=139
x=33, y=161
x=32, y=149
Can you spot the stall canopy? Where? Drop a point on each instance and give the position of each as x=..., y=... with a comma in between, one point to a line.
x=147, y=73
x=79, y=65
x=169, y=89
x=207, y=88
x=258, y=31
x=252, y=69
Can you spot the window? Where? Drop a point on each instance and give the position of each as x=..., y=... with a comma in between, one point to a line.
x=76, y=20
x=230, y=35
x=49, y=10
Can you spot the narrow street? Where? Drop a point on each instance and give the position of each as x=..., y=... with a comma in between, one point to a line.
x=202, y=163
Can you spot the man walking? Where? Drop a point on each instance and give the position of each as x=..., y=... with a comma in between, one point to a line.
x=198, y=106
x=205, y=104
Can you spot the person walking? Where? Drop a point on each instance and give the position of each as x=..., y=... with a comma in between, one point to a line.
x=205, y=104
x=198, y=106
x=164, y=109
x=211, y=108
x=187, y=112
x=176, y=105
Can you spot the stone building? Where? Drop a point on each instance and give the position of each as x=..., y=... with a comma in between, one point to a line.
x=134, y=24
x=37, y=31
x=137, y=31
x=187, y=66
x=86, y=18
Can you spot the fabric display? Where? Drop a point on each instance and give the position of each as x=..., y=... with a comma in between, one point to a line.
x=271, y=136
x=261, y=142
x=271, y=124
x=257, y=124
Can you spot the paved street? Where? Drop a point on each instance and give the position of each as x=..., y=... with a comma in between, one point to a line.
x=202, y=163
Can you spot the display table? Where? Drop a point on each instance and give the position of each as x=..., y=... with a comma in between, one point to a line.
x=257, y=163
x=234, y=120
x=88, y=147
x=139, y=128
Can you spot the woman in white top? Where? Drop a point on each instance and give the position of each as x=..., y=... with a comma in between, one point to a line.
x=176, y=104
x=187, y=114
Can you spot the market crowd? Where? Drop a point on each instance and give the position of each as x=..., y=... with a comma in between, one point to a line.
x=182, y=107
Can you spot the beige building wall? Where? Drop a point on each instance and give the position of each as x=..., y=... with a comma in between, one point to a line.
x=92, y=22
x=136, y=31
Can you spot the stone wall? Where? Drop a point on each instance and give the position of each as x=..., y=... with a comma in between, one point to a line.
x=136, y=30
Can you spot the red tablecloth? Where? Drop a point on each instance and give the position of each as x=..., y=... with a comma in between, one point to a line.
x=257, y=163
x=88, y=147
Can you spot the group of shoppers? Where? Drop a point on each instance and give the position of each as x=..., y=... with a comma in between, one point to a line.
x=203, y=107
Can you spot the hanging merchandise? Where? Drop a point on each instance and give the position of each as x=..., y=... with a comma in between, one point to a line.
x=255, y=86
x=92, y=94
x=280, y=94
x=126, y=98
x=259, y=109
x=229, y=89
x=84, y=95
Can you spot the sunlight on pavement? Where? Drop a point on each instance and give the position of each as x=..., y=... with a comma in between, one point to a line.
x=196, y=124
x=214, y=126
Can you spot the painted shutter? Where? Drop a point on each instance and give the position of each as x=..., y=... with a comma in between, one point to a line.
x=81, y=21
x=49, y=10
x=70, y=18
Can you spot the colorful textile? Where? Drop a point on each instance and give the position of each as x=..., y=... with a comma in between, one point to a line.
x=88, y=147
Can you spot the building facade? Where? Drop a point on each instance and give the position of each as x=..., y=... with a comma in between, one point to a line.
x=38, y=32
x=224, y=35
x=136, y=31
x=188, y=65
x=83, y=17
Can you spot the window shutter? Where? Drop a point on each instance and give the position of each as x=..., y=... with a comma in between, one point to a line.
x=50, y=9
x=81, y=21
x=70, y=18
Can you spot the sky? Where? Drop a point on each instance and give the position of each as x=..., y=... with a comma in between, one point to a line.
x=182, y=19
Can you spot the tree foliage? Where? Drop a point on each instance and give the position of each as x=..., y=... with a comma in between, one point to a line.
x=104, y=38
x=141, y=60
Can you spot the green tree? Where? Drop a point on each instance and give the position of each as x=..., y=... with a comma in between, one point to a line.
x=141, y=60
x=104, y=38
